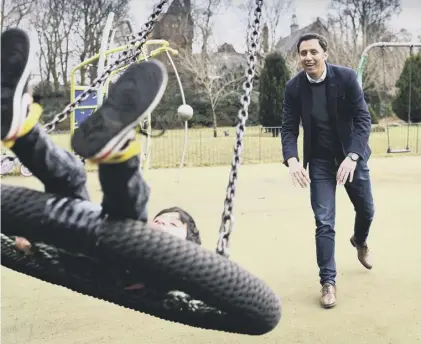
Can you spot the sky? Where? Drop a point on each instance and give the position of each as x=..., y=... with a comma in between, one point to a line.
x=230, y=26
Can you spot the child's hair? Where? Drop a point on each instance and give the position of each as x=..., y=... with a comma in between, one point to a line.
x=192, y=231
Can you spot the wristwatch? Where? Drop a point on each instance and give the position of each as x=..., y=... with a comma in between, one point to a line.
x=353, y=156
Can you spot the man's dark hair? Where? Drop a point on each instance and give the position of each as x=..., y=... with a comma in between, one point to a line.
x=192, y=231
x=313, y=35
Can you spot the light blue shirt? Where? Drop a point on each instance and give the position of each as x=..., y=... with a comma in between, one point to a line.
x=322, y=77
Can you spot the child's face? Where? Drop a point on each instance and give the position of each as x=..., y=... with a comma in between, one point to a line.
x=171, y=223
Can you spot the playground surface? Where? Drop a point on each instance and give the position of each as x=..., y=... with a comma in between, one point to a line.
x=274, y=239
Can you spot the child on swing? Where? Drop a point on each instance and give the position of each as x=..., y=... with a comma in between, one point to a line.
x=106, y=138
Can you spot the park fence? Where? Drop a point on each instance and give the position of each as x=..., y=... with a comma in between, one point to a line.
x=261, y=145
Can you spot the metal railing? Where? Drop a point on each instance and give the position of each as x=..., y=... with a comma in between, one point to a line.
x=261, y=145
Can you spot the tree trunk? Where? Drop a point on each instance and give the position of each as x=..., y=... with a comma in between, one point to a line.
x=215, y=126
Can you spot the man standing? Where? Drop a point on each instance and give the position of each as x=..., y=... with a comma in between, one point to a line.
x=336, y=124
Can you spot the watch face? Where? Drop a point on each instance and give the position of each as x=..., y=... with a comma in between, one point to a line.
x=354, y=156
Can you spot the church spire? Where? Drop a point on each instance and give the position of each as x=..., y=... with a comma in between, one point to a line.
x=294, y=23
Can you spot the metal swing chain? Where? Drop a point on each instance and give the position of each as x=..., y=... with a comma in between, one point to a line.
x=227, y=223
x=411, y=61
x=127, y=57
x=383, y=100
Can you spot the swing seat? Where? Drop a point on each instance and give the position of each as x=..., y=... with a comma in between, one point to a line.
x=401, y=150
x=74, y=247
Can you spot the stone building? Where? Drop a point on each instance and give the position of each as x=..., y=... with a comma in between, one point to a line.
x=176, y=26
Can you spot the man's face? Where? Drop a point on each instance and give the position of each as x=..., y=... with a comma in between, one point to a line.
x=312, y=58
x=171, y=223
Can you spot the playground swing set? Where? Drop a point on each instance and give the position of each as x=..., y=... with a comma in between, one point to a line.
x=107, y=54
x=360, y=72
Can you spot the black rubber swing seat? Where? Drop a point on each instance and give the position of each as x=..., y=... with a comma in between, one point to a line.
x=76, y=248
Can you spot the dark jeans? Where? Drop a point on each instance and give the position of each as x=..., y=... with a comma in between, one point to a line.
x=125, y=191
x=323, y=195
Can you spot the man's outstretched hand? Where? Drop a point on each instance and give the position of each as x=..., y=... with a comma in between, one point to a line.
x=298, y=173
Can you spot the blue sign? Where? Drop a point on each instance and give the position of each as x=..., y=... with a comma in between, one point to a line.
x=81, y=115
x=90, y=101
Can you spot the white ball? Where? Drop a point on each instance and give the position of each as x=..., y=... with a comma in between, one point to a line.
x=185, y=112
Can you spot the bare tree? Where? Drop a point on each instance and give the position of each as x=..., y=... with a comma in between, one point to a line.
x=216, y=82
x=355, y=24
x=14, y=11
x=92, y=17
x=203, y=12
x=211, y=80
x=362, y=21
x=53, y=21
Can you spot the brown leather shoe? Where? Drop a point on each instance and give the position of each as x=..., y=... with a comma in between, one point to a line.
x=363, y=254
x=328, y=299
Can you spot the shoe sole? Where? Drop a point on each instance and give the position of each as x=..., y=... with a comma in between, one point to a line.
x=328, y=306
x=135, y=94
x=14, y=79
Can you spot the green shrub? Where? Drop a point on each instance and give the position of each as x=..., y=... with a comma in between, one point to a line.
x=401, y=102
x=273, y=79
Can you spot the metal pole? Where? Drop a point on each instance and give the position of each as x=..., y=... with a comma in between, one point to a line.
x=104, y=47
x=260, y=144
x=183, y=155
x=185, y=144
x=178, y=78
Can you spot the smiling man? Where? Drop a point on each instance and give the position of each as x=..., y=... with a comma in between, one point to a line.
x=336, y=124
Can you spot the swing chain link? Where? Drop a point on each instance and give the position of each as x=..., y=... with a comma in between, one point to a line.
x=126, y=57
x=227, y=223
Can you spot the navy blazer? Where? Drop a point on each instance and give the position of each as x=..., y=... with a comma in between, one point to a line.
x=346, y=106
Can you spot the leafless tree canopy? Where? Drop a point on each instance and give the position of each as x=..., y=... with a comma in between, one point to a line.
x=69, y=31
x=53, y=21
x=362, y=22
x=14, y=11
x=213, y=79
x=355, y=24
